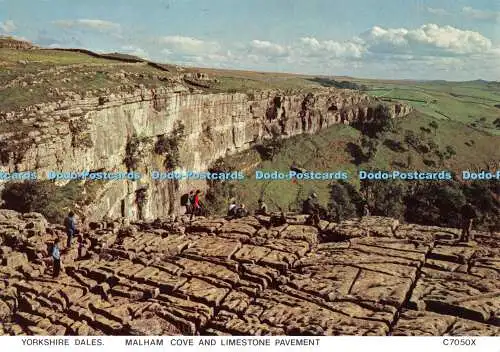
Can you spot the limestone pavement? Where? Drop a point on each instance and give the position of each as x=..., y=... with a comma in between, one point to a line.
x=215, y=276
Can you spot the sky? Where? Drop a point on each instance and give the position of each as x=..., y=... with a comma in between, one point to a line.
x=390, y=39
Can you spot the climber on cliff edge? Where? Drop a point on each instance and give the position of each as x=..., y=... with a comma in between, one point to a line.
x=69, y=224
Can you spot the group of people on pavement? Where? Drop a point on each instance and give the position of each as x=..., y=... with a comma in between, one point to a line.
x=71, y=231
x=192, y=202
x=195, y=207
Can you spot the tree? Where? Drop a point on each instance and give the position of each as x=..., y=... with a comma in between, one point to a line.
x=386, y=198
x=219, y=191
x=409, y=160
x=435, y=203
x=42, y=197
x=370, y=146
x=345, y=201
x=270, y=147
x=135, y=151
x=168, y=145
x=412, y=139
x=434, y=125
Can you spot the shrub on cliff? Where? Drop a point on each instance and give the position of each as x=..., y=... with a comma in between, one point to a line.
x=219, y=191
x=80, y=136
x=42, y=197
x=380, y=125
x=435, y=203
x=168, y=145
x=345, y=201
x=135, y=151
x=386, y=198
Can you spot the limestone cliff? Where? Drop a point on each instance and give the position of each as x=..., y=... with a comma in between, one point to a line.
x=91, y=133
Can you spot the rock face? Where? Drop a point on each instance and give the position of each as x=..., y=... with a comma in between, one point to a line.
x=91, y=133
x=218, y=276
x=16, y=44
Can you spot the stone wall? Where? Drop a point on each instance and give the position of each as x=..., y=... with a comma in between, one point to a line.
x=92, y=133
x=12, y=43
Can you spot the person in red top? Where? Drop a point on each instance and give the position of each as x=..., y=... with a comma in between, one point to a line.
x=196, y=204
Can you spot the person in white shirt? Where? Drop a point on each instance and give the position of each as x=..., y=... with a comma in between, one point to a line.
x=231, y=209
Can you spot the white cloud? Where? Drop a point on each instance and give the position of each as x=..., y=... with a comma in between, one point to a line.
x=262, y=47
x=437, y=11
x=428, y=39
x=310, y=46
x=180, y=45
x=7, y=27
x=93, y=24
x=482, y=15
x=429, y=51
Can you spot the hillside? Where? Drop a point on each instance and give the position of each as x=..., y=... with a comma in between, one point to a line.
x=329, y=151
x=95, y=106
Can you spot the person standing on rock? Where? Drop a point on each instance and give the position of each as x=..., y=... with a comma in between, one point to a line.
x=81, y=247
x=56, y=258
x=311, y=207
x=69, y=224
x=468, y=215
x=196, y=204
x=189, y=202
x=366, y=210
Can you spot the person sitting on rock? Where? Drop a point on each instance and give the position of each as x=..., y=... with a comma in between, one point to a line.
x=311, y=207
x=278, y=220
x=69, y=224
x=262, y=210
x=231, y=209
x=468, y=215
x=310, y=204
x=241, y=212
x=56, y=258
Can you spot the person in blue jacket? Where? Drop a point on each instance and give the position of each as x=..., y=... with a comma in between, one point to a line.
x=56, y=258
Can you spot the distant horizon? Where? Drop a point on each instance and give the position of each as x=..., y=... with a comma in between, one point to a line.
x=425, y=40
x=261, y=71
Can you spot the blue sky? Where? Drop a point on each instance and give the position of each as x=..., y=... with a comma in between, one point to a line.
x=401, y=39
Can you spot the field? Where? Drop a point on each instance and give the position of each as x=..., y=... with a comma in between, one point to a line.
x=471, y=103
x=37, y=76
x=327, y=151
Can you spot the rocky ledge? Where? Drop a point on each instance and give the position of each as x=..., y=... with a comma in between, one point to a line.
x=370, y=276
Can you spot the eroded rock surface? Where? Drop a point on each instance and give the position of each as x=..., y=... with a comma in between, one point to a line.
x=218, y=276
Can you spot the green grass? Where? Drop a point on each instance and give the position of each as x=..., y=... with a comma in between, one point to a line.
x=326, y=151
x=245, y=84
x=46, y=70
x=471, y=103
